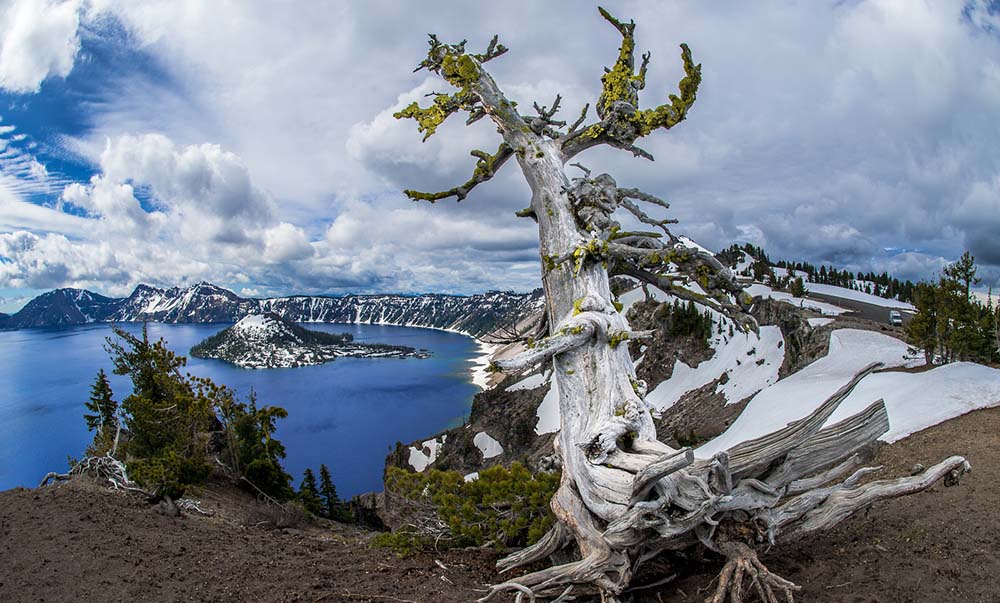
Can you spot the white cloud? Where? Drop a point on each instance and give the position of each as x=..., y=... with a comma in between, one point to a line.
x=286, y=242
x=40, y=39
x=825, y=133
x=17, y=214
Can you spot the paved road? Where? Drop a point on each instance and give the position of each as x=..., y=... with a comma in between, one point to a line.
x=879, y=314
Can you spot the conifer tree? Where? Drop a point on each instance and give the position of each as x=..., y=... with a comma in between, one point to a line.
x=333, y=508
x=996, y=331
x=964, y=272
x=166, y=416
x=102, y=406
x=798, y=287
x=309, y=493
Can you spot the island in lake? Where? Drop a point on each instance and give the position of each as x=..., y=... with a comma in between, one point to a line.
x=270, y=341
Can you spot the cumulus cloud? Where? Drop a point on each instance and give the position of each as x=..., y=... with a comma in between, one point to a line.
x=825, y=133
x=40, y=39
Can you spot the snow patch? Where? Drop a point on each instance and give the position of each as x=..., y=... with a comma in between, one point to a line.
x=471, y=477
x=758, y=290
x=548, y=411
x=744, y=263
x=835, y=291
x=752, y=364
x=819, y=322
x=851, y=350
x=487, y=445
x=536, y=380
x=630, y=298
x=689, y=243
x=419, y=459
x=481, y=364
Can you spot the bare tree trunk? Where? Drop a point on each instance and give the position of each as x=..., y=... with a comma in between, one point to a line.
x=624, y=496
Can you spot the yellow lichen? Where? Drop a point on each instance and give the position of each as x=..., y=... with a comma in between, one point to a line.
x=617, y=337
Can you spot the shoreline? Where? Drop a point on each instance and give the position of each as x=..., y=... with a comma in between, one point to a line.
x=481, y=363
x=478, y=374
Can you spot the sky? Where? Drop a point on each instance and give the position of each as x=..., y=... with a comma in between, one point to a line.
x=252, y=144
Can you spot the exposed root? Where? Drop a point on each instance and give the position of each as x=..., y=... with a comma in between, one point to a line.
x=102, y=467
x=192, y=506
x=555, y=539
x=742, y=571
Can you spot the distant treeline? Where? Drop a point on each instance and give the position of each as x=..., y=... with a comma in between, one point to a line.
x=762, y=269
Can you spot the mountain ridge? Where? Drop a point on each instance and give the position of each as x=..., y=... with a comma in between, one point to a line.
x=203, y=302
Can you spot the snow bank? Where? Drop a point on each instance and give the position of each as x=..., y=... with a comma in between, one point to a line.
x=751, y=363
x=819, y=322
x=835, y=291
x=487, y=445
x=914, y=401
x=481, y=364
x=744, y=263
x=758, y=290
x=536, y=380
x=419, y=459
x=548, y=411
x=691, y=243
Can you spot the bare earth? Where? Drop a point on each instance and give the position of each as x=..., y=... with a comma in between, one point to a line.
x=79, y=542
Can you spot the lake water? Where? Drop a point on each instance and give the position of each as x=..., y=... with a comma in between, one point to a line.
x=347, y=414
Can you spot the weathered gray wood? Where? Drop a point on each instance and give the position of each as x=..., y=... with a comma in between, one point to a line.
x=846, y=500
x=753, y=455
x=831, y=445
x=624, y=496
x=644, y=480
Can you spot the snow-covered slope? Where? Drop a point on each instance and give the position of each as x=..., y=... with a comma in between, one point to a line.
x=834, y=291
x=914, y=400
x=750, y=363
x=203, y=302
x=759, y=290
x=474, y=315
x=62, y=307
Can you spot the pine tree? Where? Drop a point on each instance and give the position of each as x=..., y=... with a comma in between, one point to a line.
x=104, y=409
x=254, y=453
x=798, y=287
x=996, y=332
x=333, y=508
x=309, y=493
x=964, y=272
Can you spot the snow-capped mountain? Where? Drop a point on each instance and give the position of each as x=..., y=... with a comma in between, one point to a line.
x=473, y=315
x=203, y=302
x=269, y=341
x=62, y=307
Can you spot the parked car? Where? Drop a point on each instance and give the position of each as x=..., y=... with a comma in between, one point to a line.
x=895, y=318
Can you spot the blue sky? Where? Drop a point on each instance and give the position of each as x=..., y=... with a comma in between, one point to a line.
x=251, y=143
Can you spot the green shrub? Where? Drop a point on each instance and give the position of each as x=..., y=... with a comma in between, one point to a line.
x=505, y=507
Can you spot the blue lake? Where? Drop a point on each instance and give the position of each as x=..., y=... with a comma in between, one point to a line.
x=347, y=414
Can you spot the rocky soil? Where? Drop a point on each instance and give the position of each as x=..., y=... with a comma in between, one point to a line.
x=81, y=542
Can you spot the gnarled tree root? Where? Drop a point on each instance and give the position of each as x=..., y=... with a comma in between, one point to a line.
x=744, y=571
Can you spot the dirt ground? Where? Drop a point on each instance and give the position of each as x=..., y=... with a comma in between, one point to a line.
x=78, y=542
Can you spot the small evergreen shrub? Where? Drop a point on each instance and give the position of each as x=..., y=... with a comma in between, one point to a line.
x=504, y=507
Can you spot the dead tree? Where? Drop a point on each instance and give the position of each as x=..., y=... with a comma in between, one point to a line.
x=625, y=497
